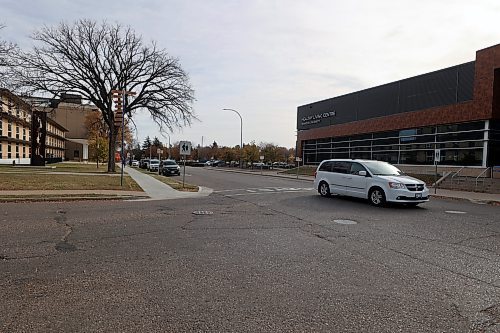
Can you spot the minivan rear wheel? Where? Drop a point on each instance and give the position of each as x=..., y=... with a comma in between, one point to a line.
x=324, y=189
x=377, y=197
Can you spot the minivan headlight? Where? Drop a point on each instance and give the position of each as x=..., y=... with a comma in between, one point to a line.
x=397, y=185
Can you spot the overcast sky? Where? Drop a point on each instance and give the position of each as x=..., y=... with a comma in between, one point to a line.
x=265, y=58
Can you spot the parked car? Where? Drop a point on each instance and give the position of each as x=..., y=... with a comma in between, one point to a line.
x=143, y=163
x=377, y=181
x=135, y=163
x=218, y=163
x=153, y=165
x=169, y=167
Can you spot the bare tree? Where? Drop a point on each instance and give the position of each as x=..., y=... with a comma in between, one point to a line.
x=93, y=59
x=5, y=49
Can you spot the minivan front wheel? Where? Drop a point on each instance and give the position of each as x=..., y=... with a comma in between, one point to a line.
x=377, y=197
x=324, y=189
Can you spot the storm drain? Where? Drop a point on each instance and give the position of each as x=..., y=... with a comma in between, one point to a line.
x=202, y=212
x=345, y=221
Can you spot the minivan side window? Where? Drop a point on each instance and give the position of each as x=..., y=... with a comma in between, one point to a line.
x=326, y=166
x=356, y=168
x=341, y=167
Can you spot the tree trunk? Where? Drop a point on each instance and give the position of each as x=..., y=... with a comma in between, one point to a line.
x=111, y=150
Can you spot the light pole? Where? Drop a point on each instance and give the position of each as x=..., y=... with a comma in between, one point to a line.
x=169, y=154
x=241, y=135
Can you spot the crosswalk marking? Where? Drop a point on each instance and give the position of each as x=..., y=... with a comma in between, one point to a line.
x=264, y=190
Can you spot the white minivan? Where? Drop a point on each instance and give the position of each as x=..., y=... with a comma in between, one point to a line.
x=377, y=181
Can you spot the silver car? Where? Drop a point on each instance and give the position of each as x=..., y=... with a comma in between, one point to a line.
x=377, y=181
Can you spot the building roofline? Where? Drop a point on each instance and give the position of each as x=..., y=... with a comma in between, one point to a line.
x=488, y=47
x=386, y=84
x=4, y=91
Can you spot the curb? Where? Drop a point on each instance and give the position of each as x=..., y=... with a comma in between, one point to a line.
x=476, y=201
x=55, y=198
x=257, y=173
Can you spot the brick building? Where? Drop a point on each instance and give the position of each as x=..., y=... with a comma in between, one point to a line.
x=16, y=130
x=455, y=110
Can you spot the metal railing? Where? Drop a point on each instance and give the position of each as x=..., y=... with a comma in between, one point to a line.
x=456, y=173
x=481, y=175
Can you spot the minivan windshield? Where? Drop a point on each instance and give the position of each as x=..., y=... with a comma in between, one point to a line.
x=169, y=163
x=383, y=169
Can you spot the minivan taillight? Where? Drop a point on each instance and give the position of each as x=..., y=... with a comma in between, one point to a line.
x=315, y=173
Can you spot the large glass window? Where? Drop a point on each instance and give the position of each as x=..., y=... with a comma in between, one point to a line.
x=386, y=156
x=361, y=155
x=478, y=135
x=416, y=157
x=407, y=135
x=461, y=144
x=477, y=125
x=462, y=156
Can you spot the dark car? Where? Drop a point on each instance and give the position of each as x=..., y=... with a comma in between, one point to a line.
x=143, y=163
x=169, y=167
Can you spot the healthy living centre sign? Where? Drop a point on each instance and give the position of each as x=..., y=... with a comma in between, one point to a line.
x=316, y=118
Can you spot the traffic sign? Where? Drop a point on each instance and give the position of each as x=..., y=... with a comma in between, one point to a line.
x=261, y=157
x=437, y=155
x=298, y=159
x=185, y=148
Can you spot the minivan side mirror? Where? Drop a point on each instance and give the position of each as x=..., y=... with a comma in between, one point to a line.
x=362, y=173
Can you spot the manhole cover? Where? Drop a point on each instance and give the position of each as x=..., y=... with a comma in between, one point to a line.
x=202, y=212
x=345, y=221
x=454, y=212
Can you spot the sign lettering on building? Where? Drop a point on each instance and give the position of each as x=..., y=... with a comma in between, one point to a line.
x=316, y=118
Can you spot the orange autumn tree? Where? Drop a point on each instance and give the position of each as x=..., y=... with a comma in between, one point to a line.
x=98, y=136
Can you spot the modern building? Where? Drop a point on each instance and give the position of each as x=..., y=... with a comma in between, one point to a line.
x=453, y=111
x=16, y=130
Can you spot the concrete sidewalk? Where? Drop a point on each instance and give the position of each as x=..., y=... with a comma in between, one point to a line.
x=156, y=190
x=476, y=197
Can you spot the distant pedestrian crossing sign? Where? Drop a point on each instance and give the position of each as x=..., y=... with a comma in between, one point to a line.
x=185, y=148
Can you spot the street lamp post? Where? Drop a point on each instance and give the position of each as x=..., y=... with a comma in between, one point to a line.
x=241, y=135
x=169, y=152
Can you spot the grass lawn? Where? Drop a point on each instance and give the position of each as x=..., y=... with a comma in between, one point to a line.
x=303, y=170
x=57, y=167
x=175, y=184
x=81, y=167
x=34, y=181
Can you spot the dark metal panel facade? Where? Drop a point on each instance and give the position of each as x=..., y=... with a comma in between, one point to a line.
x=444, y=87
x=378, y=102
x=465, y=82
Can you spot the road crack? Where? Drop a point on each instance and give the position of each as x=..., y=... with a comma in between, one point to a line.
x=63, y=245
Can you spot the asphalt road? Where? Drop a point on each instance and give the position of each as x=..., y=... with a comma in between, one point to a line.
x=264, y=255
